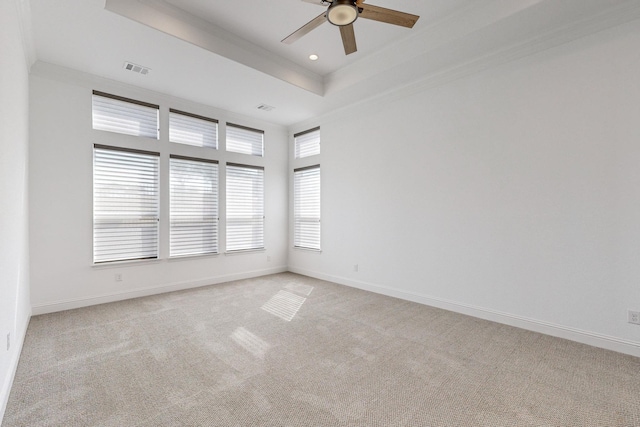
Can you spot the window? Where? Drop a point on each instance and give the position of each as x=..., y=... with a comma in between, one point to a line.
x=125, y=204
x=193, y=206
x=306, y=207
x=245, y=207
x=307, y=143
x=126, y=184
x=245, y=140
x=123, y=115
x=191, y=129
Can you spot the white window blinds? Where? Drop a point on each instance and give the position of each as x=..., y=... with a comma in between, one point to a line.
x=193, y=206
x=307, y=143
x=245, y=207
x=306, y=207
x=125, y=204
x=245, y=140
x=191, y=129
x=122, y=115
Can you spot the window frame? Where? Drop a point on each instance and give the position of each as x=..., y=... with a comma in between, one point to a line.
x=298, y=151
x=195, y=119
x=147, y=125
x=249, y=152
x=153, y=218
x=298, y=219
x=212, y=202
x=231, y=216
x=140, y=108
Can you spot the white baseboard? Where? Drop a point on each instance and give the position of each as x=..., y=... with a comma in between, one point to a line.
x=69, y=304
x=18, y=342
x=585, y=337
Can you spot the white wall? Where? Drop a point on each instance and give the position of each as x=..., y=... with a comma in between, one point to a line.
x=513, y=194
x=62, y=138
x=14, y=251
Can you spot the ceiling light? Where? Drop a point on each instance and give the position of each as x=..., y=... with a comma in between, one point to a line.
x=342, y=12
x=313, y=57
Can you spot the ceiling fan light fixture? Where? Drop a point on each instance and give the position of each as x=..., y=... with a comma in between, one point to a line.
x=342, y=12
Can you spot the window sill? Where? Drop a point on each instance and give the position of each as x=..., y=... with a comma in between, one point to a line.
x=245, y=251
x=130, y=263
x=317, y=251
x=192, y=257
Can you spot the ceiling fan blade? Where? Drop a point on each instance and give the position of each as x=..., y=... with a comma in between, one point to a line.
x=389, y=16
x=348, y=39
x=306, y=28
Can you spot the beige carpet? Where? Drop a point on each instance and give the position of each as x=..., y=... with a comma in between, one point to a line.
x=286, y=350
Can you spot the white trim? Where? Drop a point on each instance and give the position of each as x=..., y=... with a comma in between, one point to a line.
x=163, y=17
x=573, y=334
x=21, y=334
x=244, y=251
x=127, y=263
x=191, y=257
x=300, y=248
x=151, y=290
x=486, y=59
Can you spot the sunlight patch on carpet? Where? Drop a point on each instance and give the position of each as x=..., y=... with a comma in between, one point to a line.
x=284, y=305
x=250, y=342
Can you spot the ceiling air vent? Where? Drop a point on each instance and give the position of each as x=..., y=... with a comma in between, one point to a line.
x=265, y=107
x=136, y=68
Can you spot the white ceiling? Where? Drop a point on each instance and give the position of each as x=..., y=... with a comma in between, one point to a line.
x=228, y=54
x=266, y=23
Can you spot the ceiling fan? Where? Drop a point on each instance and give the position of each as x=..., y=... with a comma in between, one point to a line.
x=343, y=13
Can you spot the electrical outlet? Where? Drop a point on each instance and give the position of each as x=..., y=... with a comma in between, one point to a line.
x=8, y=341
x=118, y=277
x=634, y=317
x=355, y=267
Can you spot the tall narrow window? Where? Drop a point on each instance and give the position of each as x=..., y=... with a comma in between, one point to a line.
x=307, y=143
x=191, y=129
x=306, y=207
x=125, y=204
x=123, y=115
x=244, y=140
x=193, y=206
x=245, y=207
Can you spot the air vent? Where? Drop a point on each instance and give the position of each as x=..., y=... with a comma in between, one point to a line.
x=265, y=107
x=136, y=68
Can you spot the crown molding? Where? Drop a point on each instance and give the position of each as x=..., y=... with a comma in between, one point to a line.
x=163, y=17
x=425, y=76
x=436, y=40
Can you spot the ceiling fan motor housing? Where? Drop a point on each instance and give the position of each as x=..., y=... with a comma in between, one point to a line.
x=342, y=12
